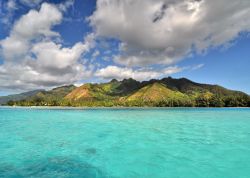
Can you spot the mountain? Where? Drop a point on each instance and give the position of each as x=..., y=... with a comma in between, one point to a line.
x=155, y=92
x=17, y=97
x=129, y=92
x=82, y=92
x=56, y=93
x=189, y=87
x=42, y=97
x=105, y=91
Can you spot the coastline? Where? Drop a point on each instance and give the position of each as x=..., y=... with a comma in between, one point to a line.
x=114, y=107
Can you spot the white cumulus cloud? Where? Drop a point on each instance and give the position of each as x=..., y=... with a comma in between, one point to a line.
x=115, y=72
x=33, y=58
x=166, y=31
x=30, y=26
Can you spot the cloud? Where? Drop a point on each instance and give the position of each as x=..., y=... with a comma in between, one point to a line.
x=29, y=27
x=54, y=56
x=166, y=31
x=11, y=5
x=31, y=3
x=36, y=23
x=111, y=72
x=96, y=53
x=196, y=67
x=66, y=4
x=7, y=10
x=23, y=77
x=33, y=57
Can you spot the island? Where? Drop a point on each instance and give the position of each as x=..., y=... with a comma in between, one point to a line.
x=166, y=92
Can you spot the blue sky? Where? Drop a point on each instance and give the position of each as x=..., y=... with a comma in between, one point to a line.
x=44, y=44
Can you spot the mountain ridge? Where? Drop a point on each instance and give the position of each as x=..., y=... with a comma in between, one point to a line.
x=129, y=92
x=16, y=97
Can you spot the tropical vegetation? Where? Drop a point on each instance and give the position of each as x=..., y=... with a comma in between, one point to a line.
x=167, y=92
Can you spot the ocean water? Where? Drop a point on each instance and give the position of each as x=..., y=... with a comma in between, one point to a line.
x=125, y=143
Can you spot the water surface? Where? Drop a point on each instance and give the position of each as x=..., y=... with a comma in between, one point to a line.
x=125, y=143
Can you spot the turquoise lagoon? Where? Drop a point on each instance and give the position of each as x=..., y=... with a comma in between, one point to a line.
x=125, y=143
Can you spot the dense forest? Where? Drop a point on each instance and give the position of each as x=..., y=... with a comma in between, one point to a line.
x=167, y=92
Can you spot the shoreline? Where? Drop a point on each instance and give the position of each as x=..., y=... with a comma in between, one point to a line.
x=119, y=107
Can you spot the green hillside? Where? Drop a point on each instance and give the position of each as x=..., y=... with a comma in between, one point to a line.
x=129, y=92
x=91, y=92
x=16, y=97
x=47, y=98
x=158, y=94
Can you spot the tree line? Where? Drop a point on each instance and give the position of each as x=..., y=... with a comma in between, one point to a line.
x=201, y=100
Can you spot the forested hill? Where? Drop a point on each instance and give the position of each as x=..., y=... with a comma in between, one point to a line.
x=167, y=92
